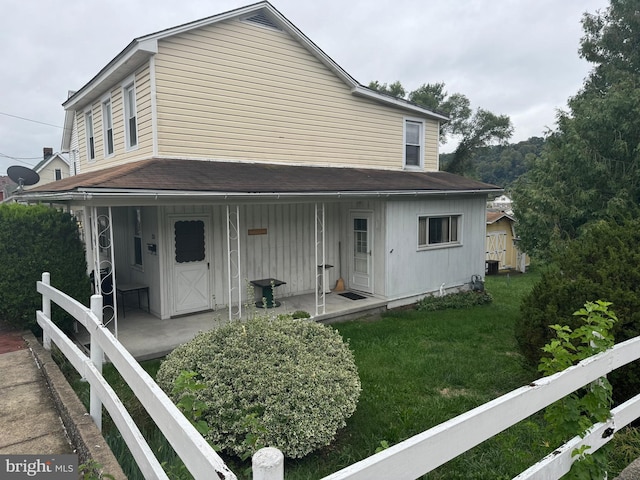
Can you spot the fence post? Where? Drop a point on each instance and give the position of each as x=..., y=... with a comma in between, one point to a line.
x=97, y=357
x=268, y=464
x=46, y=310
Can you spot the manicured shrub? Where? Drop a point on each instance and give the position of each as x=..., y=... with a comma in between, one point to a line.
x=281, y=382
x=36, y=239
x=604, y=263
x=454, y=300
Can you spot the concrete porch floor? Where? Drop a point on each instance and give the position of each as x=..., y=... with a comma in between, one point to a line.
x=146, y=336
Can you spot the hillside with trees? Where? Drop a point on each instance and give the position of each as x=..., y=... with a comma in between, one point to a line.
x=500, y=164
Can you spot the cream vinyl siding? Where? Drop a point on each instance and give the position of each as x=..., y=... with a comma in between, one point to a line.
x=238, y=91
x=120, y=154
x=48, y=174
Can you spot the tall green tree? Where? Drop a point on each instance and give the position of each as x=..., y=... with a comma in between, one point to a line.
x=590, y=168
x=475, y=129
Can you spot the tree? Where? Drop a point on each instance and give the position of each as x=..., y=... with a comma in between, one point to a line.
x=590, y=168
x=475, y=129
x=395, y=89
x=603, y=263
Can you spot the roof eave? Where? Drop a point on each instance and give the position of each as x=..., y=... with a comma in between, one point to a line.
x=85, y=194
x=398, y=102
x=136, y=54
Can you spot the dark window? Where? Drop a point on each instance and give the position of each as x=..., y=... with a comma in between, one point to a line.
x=438, y=230
x=189, y=241
x=137, y=236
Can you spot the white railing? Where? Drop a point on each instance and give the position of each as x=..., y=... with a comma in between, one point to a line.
x=409, y=459
x=428, y=450
x=198, y=456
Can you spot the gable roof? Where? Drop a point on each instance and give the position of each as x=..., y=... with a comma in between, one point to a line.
x=493, y=217
x=176, y=177
x=43, y=163
x=142, y=48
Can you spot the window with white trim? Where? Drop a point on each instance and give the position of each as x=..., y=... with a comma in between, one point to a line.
x=439, y=231
x=413, y=143
x=88, y=121
x=130, y=119
x=57, y=174
x=107, y=127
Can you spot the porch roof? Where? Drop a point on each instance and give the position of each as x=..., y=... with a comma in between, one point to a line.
x=167, y=177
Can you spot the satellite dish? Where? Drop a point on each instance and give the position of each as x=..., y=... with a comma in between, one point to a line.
x=23, y=175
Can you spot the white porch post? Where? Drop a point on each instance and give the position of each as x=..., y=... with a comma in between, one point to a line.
x=102, y=238
x=320, y=254
x=234, y=277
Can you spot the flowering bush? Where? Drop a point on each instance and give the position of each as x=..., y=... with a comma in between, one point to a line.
x=284, y=383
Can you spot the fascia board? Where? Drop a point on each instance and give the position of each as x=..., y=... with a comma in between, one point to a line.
x=126, y=63
x=366, y=92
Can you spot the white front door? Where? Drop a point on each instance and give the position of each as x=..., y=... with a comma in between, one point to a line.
x=361, y=252
x=190, y=265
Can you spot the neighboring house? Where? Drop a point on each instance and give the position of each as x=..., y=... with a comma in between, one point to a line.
x=52, y=167
x=502, y=203
x=502, y=242
x=233, y=149
x=7, y=186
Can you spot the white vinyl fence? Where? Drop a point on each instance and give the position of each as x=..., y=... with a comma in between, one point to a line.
x=409, y=459
x=198, y=456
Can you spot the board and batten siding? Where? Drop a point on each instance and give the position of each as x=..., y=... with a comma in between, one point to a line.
x=144, y=120
x=415, y=272
x=236, y=91
x=285, y=251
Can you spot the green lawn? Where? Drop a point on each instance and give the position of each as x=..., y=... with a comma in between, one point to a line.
x=419, y=369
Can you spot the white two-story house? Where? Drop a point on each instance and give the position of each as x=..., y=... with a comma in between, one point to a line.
x=233, y=149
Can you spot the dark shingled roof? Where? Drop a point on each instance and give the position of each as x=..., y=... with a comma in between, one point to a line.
x=234, y=177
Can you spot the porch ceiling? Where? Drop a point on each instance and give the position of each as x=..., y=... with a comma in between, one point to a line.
x=175, y=175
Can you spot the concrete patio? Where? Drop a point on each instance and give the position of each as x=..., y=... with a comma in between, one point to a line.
x=146, y=336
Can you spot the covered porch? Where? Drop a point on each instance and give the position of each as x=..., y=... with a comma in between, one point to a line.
x=146, y=336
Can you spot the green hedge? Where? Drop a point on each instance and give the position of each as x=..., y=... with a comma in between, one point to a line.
x=454, y=300
x=604, y=263
x=36, y=239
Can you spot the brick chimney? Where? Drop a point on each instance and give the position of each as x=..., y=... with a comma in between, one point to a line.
x=47, y=152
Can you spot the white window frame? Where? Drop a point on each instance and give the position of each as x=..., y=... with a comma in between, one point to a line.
x=107, y=127
x=90, y=134
x=57, y=174
x=420, y=123
x=453, y=235
x=130, y=113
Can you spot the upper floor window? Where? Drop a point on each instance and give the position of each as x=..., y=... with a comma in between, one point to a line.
x=131, y=126
x=107, y=127
x=88, y=120
x=58, y=174
x=438, y=231
x=413, y=143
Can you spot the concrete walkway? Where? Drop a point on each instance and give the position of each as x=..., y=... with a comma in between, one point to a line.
x=29, y=420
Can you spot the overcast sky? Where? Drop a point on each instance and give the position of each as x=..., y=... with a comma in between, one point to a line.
x=514, y=57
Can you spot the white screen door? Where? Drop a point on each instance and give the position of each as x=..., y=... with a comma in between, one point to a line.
x=190, y=265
